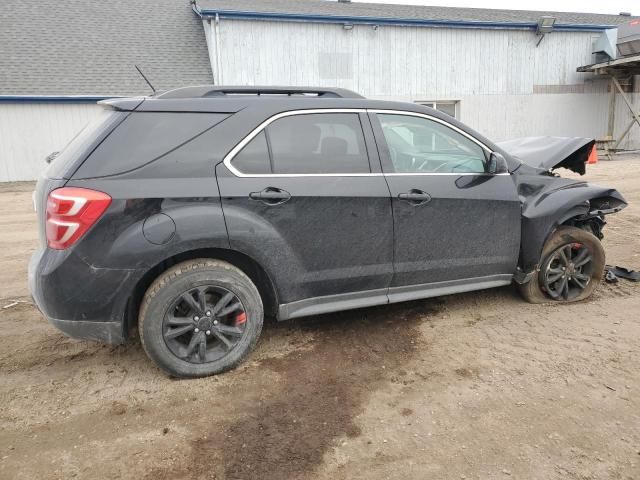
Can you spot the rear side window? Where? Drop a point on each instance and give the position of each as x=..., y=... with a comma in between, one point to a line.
x=63, y=165
x=144, y=137
x=304, y=144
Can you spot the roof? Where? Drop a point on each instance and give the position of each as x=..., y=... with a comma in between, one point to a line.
x=331, y=10
x=84, y=47
x=204, y=91
x=620, y=66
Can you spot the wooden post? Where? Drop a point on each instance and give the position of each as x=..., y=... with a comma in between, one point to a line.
x=634, y=115
x=612, y=109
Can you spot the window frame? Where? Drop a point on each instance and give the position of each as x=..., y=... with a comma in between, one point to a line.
x=228, y=159
x=371, y=112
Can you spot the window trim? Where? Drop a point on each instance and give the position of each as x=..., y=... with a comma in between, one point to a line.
x=235, y=150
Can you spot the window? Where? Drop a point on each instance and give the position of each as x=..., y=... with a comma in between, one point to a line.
x=254, y=157
x=309, y=143
x=79, y=144
x=420, y=145
x=144, y=137
x=450, y=107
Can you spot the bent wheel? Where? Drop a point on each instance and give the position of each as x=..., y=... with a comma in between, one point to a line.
x=200, y=318
x=571, y=268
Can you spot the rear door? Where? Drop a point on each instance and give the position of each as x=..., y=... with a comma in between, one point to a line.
x=455, y=223
x=304, y=196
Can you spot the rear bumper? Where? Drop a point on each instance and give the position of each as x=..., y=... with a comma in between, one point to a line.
x=107, y=332
x=80, y=300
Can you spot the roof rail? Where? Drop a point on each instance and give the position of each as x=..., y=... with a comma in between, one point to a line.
x=202, y=91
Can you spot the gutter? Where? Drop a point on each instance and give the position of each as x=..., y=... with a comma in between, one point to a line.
x=405, y=22
x=212, y=36
x=54, y=98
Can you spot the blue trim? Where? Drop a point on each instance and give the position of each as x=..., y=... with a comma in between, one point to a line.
x=415, y=22
x=53, y=98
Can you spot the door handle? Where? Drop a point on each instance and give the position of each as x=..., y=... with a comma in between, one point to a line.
x=415, y=197
x=271, y=196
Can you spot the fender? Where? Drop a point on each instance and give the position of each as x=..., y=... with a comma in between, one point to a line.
x=549, y=201
x=136, y=234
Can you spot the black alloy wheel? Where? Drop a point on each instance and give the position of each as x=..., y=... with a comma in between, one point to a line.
x=567, y=271
x=204, y=324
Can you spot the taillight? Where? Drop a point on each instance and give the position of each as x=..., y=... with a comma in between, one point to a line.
x=70, y=213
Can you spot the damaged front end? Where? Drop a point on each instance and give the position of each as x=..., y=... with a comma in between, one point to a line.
x=597, y=209
x=549, y=200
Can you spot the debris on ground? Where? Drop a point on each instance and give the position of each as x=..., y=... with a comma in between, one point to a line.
x=612, y=274
x=15, y=303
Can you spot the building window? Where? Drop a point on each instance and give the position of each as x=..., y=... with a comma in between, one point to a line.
x=450, y=107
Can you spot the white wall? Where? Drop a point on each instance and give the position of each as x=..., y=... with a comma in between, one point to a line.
x=31, y=131
x=414, y=61
x=507, y=86
x=501, y=117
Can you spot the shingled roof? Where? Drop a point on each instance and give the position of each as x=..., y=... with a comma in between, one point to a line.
x=362, y=10
x=89, y=47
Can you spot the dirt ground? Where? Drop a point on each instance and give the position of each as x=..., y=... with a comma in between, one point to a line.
x=478, y=385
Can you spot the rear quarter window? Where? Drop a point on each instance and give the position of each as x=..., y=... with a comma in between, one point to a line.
x=63, y=165
x=144, y=137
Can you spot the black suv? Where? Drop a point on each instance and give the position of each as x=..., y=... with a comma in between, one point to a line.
x=194, y=213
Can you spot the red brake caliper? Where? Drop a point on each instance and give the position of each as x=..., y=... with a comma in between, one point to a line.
x=240, y=319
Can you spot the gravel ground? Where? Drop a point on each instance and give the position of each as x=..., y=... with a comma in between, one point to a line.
x=477, y=385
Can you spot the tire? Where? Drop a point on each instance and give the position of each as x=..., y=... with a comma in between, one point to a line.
x=535, y=291
x=167, y=309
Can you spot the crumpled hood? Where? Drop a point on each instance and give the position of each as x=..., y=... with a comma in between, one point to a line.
x=551, y=152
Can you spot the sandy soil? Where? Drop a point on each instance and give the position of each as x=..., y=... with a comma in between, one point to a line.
x=479, y=385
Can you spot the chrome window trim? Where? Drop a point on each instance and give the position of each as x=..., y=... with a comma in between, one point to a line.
x=435, y=119
x=235, y=150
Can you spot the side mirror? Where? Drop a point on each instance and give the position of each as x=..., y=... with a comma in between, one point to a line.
x=497, y=164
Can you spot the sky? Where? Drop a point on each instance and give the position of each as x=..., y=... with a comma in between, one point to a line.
x=603, y=6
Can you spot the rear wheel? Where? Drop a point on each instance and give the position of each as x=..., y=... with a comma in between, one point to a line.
x=200, y=317
x=571, y=268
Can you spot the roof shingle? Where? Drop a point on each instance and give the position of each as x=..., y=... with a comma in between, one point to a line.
x=407, y=12
x=89, y=47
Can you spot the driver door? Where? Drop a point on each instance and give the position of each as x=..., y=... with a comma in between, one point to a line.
x=454, y=222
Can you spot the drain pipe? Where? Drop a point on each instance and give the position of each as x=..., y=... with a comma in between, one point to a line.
x=218, y=53
x=212, y=37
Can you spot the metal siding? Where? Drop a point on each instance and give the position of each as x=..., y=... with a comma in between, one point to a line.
x=502, y=117
x=492, y=72
x=31, y=131
x=413, y=61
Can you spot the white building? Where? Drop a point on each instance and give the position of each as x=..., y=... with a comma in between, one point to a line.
x=489, y=68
